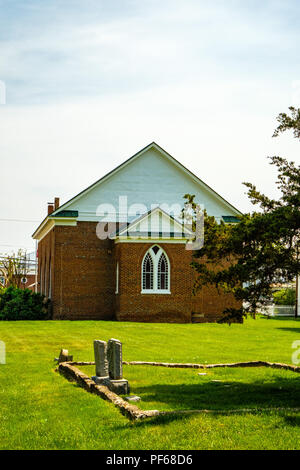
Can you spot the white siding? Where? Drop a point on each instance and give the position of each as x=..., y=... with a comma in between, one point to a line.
x=150, y=179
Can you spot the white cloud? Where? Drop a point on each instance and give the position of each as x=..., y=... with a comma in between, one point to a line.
x=87, y=89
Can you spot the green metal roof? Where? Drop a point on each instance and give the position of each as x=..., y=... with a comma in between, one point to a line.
x=230, y=219
x=67, y=214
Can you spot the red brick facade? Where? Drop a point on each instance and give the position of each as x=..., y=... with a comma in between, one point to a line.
x=134, y=306
x=78, y=272
x=82, y=272
x=30, y=284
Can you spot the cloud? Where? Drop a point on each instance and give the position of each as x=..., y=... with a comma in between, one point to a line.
x=90, y=83
x=58, y=52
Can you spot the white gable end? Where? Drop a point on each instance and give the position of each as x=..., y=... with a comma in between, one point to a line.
x=156, y=221
x=151, y=178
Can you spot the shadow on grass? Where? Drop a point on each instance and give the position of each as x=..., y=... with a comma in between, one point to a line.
x=218, y=397
x=279, y=318
x=284, y=319
x=282, y=392
x=161, y=420
x=293, y=330
x=292, y=420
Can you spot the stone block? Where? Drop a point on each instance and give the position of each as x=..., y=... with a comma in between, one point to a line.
x=134, y=398
x=120, y=387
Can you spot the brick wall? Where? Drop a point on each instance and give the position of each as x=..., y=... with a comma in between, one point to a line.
x=178, y=306
x=210, y=303
x=133, y=306
x=83, y=284
x=30, y=281
x=46, y=250
x=83, y=280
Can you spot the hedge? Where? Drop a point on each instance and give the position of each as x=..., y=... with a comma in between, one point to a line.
x=23, y=304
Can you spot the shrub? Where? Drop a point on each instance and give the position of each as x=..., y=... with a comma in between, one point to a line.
x=285, y=297
x=22, y=304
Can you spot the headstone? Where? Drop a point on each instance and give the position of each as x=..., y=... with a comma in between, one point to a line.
x=109, y=366
x=114, y=355
x=100, y=350
x=64, y=356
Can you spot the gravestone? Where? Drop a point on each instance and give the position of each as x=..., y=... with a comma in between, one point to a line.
x=108, y=359
x=64, y=356
x=100, y=351
x=114, y=354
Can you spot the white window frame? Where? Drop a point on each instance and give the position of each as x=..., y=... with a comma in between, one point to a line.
x=155, y=260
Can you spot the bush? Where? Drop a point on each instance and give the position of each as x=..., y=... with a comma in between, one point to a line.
x=22, y=304
x=285, y=297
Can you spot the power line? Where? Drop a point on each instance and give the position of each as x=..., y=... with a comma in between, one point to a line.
x=19, y=220
x=17, y=245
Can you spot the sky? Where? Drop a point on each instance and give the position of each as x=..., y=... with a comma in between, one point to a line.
x=86, y=84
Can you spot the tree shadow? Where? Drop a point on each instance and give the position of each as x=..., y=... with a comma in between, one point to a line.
x=220, y=397
x=160, y=420
x=282, y=318
x=293, y=330
x=292, y=420
x=280, y=392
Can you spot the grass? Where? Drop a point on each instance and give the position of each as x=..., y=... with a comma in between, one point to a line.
x=41, y=410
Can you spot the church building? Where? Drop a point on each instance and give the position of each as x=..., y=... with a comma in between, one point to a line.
x=119, y=250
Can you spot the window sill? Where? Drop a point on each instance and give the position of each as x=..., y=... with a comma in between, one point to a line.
x=160, y=292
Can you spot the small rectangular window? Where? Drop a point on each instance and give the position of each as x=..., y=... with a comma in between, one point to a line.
x=117, y=278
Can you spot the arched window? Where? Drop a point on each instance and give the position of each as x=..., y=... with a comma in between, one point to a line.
x=162, y=273
x=147, y=272
x=156, y=272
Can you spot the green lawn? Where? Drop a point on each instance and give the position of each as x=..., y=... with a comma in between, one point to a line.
x=42, y=410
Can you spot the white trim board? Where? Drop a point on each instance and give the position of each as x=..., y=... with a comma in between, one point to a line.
x=157, y=240
x=50, y=223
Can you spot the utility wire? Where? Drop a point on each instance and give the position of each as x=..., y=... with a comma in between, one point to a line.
x=18, y=220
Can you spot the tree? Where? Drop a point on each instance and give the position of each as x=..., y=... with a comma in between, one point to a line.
x=284, y=297
x=246, y=258
x=13, y=268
